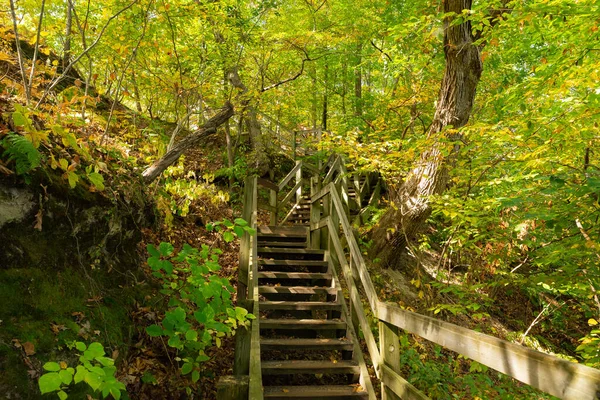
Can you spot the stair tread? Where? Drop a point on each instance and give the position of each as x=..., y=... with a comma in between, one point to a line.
x=299, y=305
x=314, y=392
x=290, y=250
x=274, y=323
x=291, y=235
x=296, y=289
x=293, y=262
x=271, y=244
x=285, y=367
x=293, y=275
x=306, y=344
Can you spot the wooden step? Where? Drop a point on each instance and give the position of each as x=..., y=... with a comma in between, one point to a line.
x=294, y=275
x=283, y=236
x=306, y=344
x=289, y=367
x=309, y=264
x=282, y=230
x=262, y=243
x=318, y=392
x=299, y=305
x=296, y=290
x=286, y=252
x=312, y=324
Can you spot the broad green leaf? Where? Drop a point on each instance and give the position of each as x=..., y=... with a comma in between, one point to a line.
x=186, y=368
x=52, y=366
x=154, y=330
x=50, y=382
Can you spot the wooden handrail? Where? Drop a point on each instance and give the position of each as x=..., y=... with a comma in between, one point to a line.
x=255, y=372
x=553, y=375
x=558, y=377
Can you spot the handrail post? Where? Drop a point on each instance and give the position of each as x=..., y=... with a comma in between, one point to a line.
x=315, y=214
x=294, y=145
x=298, y=180
x=273, y=201
x=242, y=338
x=389, y=345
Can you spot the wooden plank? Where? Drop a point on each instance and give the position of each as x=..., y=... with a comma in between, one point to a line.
x=355, y=299
x=296, y=290
x=320, y=194
x=255, y=390
x=334, y=168
x=268, y=184
x=558, y=377
x=291, y=194
x=299, y=305
x=364, y=378
x=309, y=367
x=232, y=388
x=315, y=324
x=365, y=278
x=321, y=224
x=317, y=392
x=289, y=176
x=390, y=356
x=306, y=344
x=294, y=275
x=400, y=386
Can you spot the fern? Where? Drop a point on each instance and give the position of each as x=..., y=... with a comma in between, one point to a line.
x=22, y=152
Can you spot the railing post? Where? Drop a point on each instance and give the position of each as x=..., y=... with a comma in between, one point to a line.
x=315, y=214
x=273, y=200
x=299, y=179
x=390, y=355
x=294, y=145
x=242, y=338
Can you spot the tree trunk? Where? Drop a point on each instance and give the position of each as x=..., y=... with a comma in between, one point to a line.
x=430, y=174
x=208, y=129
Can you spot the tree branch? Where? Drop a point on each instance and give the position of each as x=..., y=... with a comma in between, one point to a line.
x=206, y=130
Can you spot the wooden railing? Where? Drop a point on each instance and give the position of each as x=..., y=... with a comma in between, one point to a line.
x=330, y=227
x=247, y=380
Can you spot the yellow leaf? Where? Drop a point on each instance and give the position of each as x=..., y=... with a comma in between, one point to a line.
x=592, y=322
x=63, y=365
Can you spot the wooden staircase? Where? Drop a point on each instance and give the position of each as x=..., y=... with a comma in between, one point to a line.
x=308, y=348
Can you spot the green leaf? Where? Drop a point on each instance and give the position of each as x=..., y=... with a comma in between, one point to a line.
x=174, y=341
x=50, y=382
x=93, y=379
x=105, y=361
x=66, y=376
x=166, y=249
x=52, y=366
x=80, y=346
x=153, y=251
x=239, y=231
x=80, y=374
x=186, y=368
x=94, y=350
x=228, y=236
x=97, y=180
x=191, y=335
x=73, y=178
x=19, y=119
x=240, y=222
x=154, y=330
x=62, y=395
x=240, y=313
x=195, y=376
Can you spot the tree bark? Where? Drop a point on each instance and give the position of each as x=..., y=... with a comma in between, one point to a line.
x=430, y=174
x=208, y=129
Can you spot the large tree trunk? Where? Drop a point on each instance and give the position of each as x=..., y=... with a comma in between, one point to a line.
x=209, y=128
x=430, y=175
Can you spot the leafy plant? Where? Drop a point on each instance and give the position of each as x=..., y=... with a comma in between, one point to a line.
x=589, y=349
x=22, y=151
x=94, y=368
x=201, y=309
